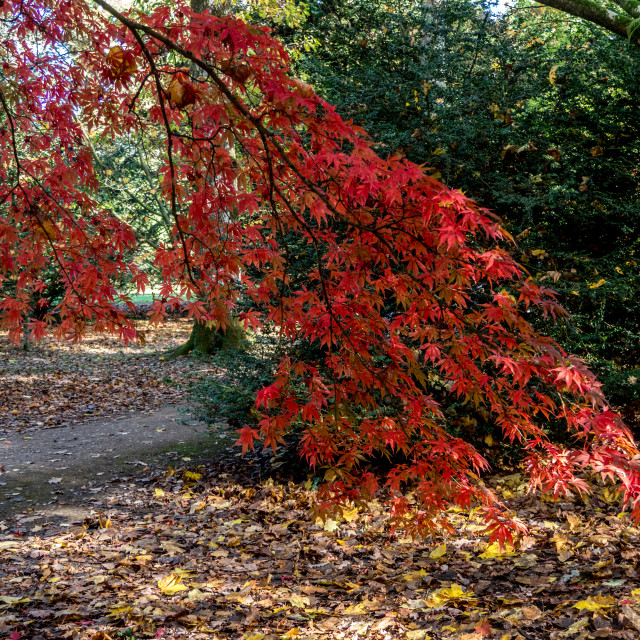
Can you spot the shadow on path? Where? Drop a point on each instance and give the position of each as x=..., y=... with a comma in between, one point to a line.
x=67, y=473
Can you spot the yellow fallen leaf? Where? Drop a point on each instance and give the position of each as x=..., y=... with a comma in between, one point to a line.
x=195, y=595
x=159, y=493
x=595, y=285
x=117, y=610
x=577, y=626
x=417, y=634
x=610, y=495
x=299, y=601
x=574, y=522
x=14, y=599
x=362, y=607
x=439, y=551
x=350, y=514
x=330, y=525
x=288, y=523
x=292, y=632
x=562, y=542
x=454, y=592
x=170, y=585
x=414, y=575
x=595, y=603
x=494, y=551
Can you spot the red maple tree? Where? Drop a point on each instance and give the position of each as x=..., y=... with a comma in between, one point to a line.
x=408, y=282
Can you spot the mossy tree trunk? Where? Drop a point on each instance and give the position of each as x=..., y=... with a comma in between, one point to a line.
x=206, y=339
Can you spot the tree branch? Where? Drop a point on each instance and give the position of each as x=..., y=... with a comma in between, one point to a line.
x=595, y=13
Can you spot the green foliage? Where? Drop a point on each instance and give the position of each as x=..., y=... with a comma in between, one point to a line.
x=534, y=116
x=230, y=393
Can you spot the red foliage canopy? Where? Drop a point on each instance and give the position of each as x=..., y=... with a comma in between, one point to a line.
x=408, y=282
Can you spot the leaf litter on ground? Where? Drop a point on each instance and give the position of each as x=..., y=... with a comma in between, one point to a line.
x=55, y=384
x=216, y=552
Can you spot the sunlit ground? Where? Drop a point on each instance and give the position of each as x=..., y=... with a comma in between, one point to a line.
x=218, y=553
x=57, y=383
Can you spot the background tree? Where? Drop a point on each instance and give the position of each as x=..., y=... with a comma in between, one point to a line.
x=530, y=114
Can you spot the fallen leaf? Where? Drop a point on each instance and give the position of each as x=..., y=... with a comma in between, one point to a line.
x=595, y=603
x=631, y=617
x=8, y=544
x=330, y=525
x=417, y=634
x=299, y=601
x=14, y=600
x=172, y=547
x=414, y=575
x=577, y=626
x=494, y=551
x=195, y=595
x=350, y=515
x=531, y=613
x=454, y=592
x=171, y=584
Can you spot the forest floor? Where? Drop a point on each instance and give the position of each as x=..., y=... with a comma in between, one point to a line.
x=75, y=419
x=172, y=535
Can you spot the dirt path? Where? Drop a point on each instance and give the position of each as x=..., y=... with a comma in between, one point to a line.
x=79, y=422
x=68, y=472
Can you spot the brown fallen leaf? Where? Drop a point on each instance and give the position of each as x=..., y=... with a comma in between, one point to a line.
x=630, y=617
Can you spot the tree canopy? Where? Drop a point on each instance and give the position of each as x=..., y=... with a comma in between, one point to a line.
x=408, y=286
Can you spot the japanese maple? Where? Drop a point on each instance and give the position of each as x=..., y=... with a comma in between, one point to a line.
x=408, y=282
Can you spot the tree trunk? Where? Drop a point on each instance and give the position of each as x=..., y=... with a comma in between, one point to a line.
x=206, y=339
